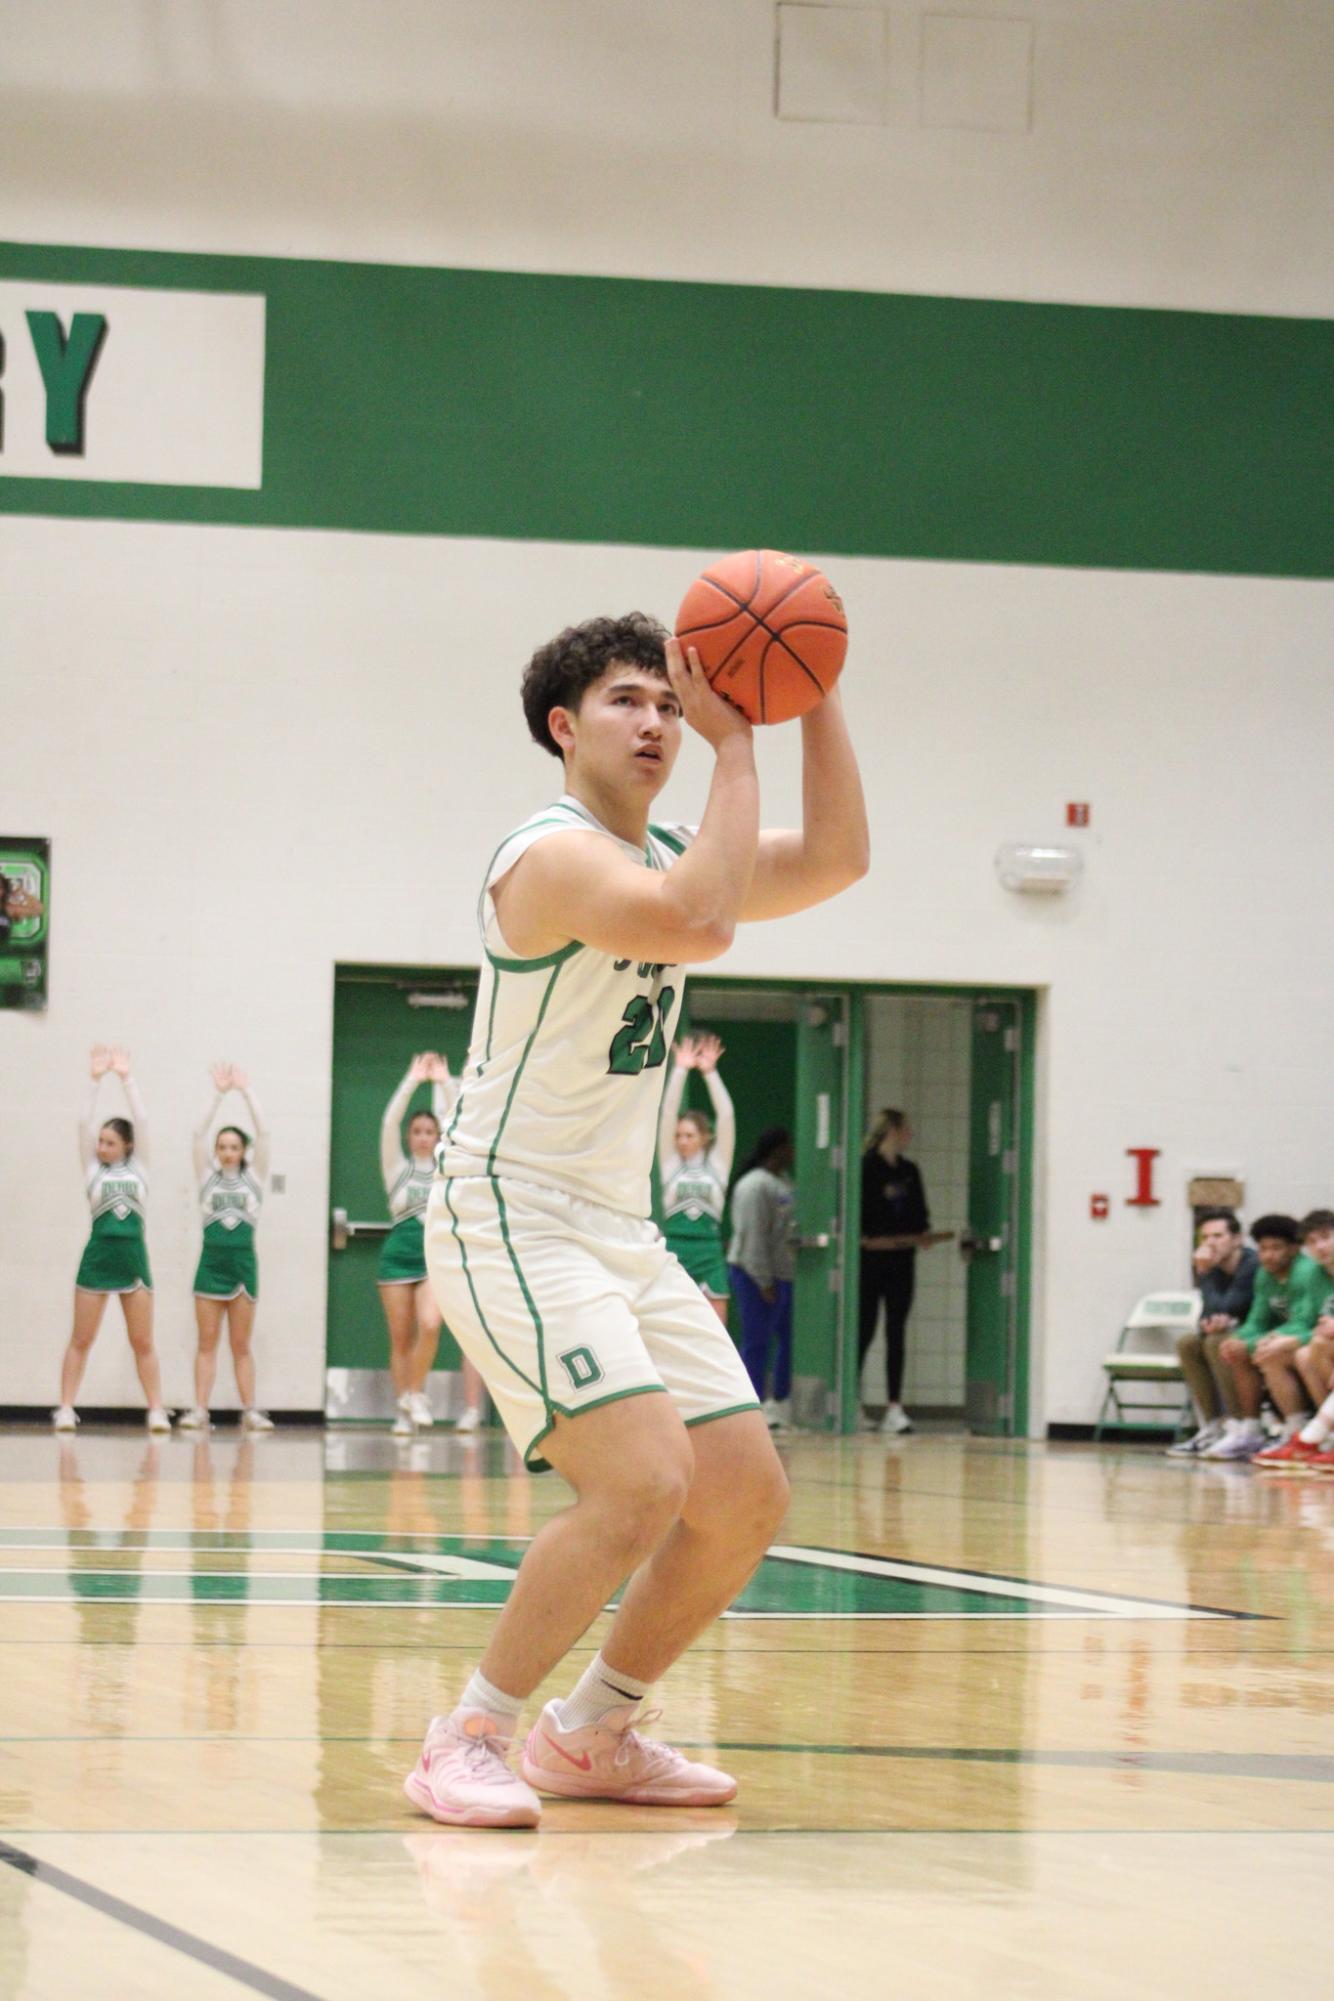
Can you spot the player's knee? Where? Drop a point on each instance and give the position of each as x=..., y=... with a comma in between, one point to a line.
x=756, y=1509
x=650, y=1501
x=240, y=1347
x=141, y=1340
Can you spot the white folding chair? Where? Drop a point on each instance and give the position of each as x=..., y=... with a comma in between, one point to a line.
x=1145, y=1358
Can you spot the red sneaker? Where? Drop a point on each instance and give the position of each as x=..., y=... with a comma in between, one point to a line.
x=1324, y=1459
x=1294, y=1455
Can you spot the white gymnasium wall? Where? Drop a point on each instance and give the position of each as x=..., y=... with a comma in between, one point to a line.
x=1178, y=153
x=259, y=753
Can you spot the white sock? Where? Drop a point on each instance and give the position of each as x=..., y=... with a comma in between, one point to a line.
x=481, y=1694
x=1317, y=1431
x=1290, y=1425
x=598, y=1690
x=1250, y=1427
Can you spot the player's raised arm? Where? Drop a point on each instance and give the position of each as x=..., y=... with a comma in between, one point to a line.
x=794, y=870
x=580, y=886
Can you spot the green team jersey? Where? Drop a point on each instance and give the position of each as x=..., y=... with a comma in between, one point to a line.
x=1324, y=1293
x=1291, y=1304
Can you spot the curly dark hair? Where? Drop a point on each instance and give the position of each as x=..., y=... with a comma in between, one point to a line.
x=1286, y=1228
x=559, y=673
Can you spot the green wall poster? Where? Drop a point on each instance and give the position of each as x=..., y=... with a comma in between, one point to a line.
x=25, y=918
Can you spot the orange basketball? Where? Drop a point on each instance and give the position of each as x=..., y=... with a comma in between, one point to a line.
x=770, y=631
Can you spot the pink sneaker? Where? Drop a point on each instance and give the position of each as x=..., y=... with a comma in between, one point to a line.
x=463, y=1779
x=611, y=1761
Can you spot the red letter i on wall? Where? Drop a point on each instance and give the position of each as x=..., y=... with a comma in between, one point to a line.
x=1143, y=1197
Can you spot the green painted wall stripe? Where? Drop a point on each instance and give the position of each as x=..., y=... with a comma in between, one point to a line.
x=580, y=409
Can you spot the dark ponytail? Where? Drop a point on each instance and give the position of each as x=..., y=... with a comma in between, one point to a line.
x=765, y=1147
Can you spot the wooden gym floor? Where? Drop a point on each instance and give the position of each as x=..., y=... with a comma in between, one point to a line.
x=1037, y=1721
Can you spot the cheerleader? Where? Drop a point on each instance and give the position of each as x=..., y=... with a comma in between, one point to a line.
x=230, y=1176
x=410, y=1311
x=694, y=1161
x=114, y=1158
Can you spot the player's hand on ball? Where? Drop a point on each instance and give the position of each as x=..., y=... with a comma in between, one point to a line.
x=714, y=719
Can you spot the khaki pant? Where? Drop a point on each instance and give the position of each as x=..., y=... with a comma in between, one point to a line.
x=1208, y=1379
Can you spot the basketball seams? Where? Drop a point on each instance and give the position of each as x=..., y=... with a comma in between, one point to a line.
x=755, y=663
x=761, y=619
x=777, y=639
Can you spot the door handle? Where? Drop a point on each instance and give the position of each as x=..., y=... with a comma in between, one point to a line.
x=342, y=1230
x=971, y=1245
x=819, y=1242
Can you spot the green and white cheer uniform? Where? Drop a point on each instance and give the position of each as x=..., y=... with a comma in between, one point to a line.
x=407, y=1186
x=541, y=1253
x=115, y=1258
x=230, y=1204
x=229, y=1207
x=694, y=1192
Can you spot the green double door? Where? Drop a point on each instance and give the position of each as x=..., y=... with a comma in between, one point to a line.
x=823, y=1096
x=382, y=1018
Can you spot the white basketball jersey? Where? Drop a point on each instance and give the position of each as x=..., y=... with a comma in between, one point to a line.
x=568, y=1060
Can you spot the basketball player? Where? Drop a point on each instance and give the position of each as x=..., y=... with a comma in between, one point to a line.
x=114, y=1156
x=694, y=1162
x=230, y=1178
x=602, y=1357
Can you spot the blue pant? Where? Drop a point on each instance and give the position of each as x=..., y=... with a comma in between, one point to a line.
x=765, y=1325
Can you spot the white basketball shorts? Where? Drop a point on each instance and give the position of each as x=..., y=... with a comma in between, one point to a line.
x=565, y=1305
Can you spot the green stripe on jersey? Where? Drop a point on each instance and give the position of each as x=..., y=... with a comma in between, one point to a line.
x=556, y=965
x=477, y=1304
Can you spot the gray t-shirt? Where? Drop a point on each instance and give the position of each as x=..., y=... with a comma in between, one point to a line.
x=1229, y=1292
x=762, y=1226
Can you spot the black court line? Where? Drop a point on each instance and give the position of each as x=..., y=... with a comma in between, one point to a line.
x=166, y=1934
x=1294, y=1765
x=819, y=1549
